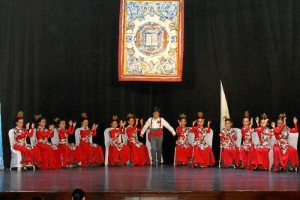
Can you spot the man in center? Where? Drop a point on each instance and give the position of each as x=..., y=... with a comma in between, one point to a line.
x=156, y=125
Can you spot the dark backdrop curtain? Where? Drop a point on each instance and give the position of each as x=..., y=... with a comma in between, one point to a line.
x=59, y=58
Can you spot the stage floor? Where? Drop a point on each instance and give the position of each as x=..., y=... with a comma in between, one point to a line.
x=136, y=181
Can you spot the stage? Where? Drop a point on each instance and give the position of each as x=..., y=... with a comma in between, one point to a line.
x=159, y=182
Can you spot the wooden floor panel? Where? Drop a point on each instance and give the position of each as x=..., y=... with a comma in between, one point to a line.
x=162, y=182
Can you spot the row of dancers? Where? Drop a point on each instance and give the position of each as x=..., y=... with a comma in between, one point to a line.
x=247, y=156
x=195, y=153
x=251, y=156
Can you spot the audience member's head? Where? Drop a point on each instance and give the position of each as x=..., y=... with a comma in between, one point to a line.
x=78, y=194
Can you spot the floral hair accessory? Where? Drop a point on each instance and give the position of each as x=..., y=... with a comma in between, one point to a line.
x=84, y=115
x=20, y=114
x=114, y=117
x=282, y=116
x=200, y=114
x=37, y=117
x=247, y=114
x=56, y=119
x=264, y=116
x=130, y=115
x=182, y=116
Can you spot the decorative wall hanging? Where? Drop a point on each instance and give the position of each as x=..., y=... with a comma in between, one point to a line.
x=151, y=40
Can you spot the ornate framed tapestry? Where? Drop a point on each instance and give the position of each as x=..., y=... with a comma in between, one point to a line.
x=151, y=40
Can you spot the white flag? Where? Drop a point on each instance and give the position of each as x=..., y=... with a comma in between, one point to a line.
x=224, y=107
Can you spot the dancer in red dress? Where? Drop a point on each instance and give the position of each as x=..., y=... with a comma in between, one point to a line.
x=50, y=155
x=138, y=151
x=119, y=153
x=69, y=152
x=247, y=155
x=92, y=154
x=229, y=150
x=265, y=135
x=285, y=156
x=183, y=149
x=203, y=154
x=28, y=152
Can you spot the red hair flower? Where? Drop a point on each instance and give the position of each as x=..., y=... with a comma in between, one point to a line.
x=247, y=115
x=37, y=117
x=84, y=115
x=282, y=116
x=20, y=115
x=114, y=117
x=200, y=114
x=264, y=116
x=182, y=116
x=130, y=115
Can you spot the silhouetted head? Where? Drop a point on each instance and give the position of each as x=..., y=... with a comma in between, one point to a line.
x=78, y=194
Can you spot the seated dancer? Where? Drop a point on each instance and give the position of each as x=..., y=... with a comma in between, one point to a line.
x=203, y=154
x=156, y=124
x=69, y=152
x=247, y=155
x=50, y=155
x=261, y=152
x=229, y=151
x=92, y=153
x=119, y=153
x=28, y=152
x=285, y=156
x=138, y=151
x=183, y=149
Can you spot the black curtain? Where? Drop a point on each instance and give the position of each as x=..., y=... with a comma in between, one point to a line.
x=59, y=58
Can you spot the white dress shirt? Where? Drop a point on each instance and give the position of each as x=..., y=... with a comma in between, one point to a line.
x=155, y=125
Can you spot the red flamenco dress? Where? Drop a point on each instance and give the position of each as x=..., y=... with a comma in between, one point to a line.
x=119, y=153
x=247, y=155
x=284, y=154
x=265, y=135
x=34, y=151
x=203, y=154
x=20, y=144
x=184, y=150
x=50, y=154
x=138, y=151
x=229, y=150
x=92, y=153
x=69, y=152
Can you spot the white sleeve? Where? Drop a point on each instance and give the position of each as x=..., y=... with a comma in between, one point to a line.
x=146, y=126
x=168, y=126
